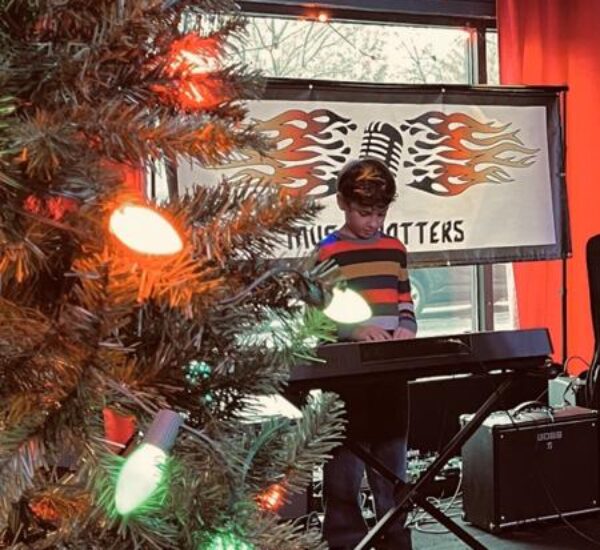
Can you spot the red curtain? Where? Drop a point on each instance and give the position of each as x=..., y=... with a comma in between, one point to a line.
x=556, y=42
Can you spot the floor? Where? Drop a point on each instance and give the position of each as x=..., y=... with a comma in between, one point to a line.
x=581, y=533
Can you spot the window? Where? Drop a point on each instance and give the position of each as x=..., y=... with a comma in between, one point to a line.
x=443, y=299
x=491, y=47
x=367, y=52
x=446, y=297
x=505, y=298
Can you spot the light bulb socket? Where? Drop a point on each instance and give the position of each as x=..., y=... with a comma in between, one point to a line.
x=163, y=430
x=313, y=293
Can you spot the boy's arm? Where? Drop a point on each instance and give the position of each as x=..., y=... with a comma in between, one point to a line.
x=407, y=322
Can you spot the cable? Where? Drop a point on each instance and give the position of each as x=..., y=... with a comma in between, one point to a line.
x=523, y=408
x=590, y=381
x=579, y=358
x=560, y=514
x=539, y=397
x=424, y=518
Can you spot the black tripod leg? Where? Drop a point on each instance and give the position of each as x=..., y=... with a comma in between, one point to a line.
x=442, y=518
x=409, y=491
x=432, y=510
x=374, y=463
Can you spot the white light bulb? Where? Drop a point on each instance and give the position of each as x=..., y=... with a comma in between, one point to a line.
x=347, y=306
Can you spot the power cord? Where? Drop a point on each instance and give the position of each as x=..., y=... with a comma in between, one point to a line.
x=528, y=406
x=560, y=513
x=422, y=518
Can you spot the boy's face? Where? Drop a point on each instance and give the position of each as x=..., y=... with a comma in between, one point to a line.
x=362, y=221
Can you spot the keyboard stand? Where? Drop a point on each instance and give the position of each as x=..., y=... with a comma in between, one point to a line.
x=406, y=492
x=514, y=353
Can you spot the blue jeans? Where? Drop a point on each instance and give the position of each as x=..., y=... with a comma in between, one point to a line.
x=344, y=526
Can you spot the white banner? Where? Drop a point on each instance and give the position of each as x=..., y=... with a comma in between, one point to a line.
x=470, y=177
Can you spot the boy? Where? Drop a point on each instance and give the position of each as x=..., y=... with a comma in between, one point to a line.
x=374, y=265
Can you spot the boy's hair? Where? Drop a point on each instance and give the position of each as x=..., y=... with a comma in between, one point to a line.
x=367, y=182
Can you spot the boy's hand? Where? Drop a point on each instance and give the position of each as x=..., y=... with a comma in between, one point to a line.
x=370, y=333
x=402, y=333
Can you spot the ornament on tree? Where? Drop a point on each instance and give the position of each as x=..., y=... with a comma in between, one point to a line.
x=196, y=371
x=208, y=398
x=273, y=498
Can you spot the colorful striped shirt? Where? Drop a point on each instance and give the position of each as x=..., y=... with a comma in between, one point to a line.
x=376, y=268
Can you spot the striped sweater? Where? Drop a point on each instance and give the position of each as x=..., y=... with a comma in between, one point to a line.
x=376, y=268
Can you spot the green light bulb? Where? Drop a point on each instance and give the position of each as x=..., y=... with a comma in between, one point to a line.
x=226, y=541
x=139, y=477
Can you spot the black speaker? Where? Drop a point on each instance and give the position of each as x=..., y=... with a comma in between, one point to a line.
x=530, y=466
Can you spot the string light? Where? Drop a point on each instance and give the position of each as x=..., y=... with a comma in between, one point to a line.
x=192, y=64
x=144, y=468
x=226, y=541
x=273, y=498
x=347, y=306
x=193, y=54
x=144, y=230
x=342, y=305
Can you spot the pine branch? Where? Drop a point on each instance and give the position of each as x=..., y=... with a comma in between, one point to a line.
x=21, y=454
x=22, y=329
x=273, y=534
x=290, y=458
x=317, y=433
x=248, y=219
x=86, y=324
x=294, y=334
x=33, y=446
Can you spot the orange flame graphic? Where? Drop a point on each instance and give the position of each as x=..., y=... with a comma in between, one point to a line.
x=307, y=152
x=458, y=152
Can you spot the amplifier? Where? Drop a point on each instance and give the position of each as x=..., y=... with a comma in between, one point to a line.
x=533, y=465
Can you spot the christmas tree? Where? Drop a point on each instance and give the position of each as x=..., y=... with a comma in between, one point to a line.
x=162, y=318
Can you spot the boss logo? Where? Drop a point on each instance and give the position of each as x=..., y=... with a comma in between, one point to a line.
x=549, y=436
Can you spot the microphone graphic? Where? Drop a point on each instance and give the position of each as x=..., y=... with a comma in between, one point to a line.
x=384, y=142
